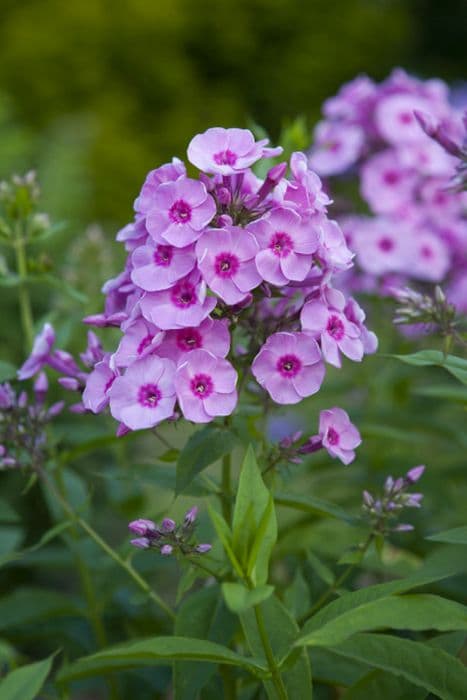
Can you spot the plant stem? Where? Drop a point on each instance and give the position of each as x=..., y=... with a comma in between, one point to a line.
x=23, y=292
x=337, y=583
x=226, y=488
x=275, y=673
x=126, y=565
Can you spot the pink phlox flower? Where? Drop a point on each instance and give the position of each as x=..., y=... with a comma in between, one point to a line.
x=140, y=338
x=336, y=147
x=305, y=189
x=386, y=184
x=227, y=151
x=40, y=353
x=94, y=352
x=211, y=335
x=133, y=234
x=181, y=211
x=98, y=384
x=226, y=258
x=339, y=436
x=286, y=246
x=383, y=245
x=205, y=386
x=158, y=266
x=354, y=101
x=431, y=260
x=183, y=305
x=169, y=172
x=334, y=331
x=145, y=395
x=289, y=367
x=395, y=119
x=333, y=250
x=355, y=314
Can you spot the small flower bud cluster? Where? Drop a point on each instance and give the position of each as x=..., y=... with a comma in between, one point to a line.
x=168, y=537
x=384, y=511
x=404, y=162
x=18, y=201
x=22, y=424
x=434, y=311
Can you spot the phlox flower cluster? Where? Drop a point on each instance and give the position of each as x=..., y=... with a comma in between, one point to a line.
x=417, y=228
x=168, y=537
x=384, y=510
x=227, y=276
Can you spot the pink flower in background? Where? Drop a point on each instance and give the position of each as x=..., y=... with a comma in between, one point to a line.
x=333, y=250
x=181, y=211
x=385, y=183
x=339, y=436
x=184, y=305
x=145, y=395
x=383, y=245
x=336, y=147
x=334, y=331
x=286, y=246
x=210, y=335
x=227, y=151
x=305, y=190
x=430, y=259
x=158, y=266
x=205, y=386
x=395, y=119
x=226, y=258
x=289, y=367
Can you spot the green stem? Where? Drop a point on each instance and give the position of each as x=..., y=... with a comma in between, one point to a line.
x=23, y=292
x=337, y=583
x=226, y=488
x=126, y=565
x=275, y=673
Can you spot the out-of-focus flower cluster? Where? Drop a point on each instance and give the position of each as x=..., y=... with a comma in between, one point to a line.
x=223, y=265
x=417, y=229
x=23, y=421
x=384, y=510
x=168, y=537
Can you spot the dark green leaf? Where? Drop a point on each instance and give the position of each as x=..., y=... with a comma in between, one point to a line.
x=457, y=366
x=458, y=535
x=29, y=605
x=7, y=371
x=315, y=506
x=24, y=683
x=239, y=598
x=203, y=448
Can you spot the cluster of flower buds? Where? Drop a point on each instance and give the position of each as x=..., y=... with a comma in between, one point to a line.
x=417, y=227
x=336, y=434
x=168, y=537
x=224, y=265
x=384, y=511
x=18, y=201
x=22, y=424
x=434, y=311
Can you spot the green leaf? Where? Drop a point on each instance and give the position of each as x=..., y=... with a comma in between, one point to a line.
x=424, y=666
x=7, y=371
x=30, y=605
x=254, y=521
x=225, y=536
x=458, y=535
x=281, y=630
x=442, y=391
x=156, y=650
x=240, y=598
x=410, y=612
x=202, y=615
x=315, y=506
x=457, y=366
x=24, y=683
x=297, y=595
x=203, y=448
x=45, y=539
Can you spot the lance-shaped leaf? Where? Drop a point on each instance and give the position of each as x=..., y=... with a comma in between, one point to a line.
x=458, y=535
x=203, y=448
x=457, y=366
x=25, y=683
x=240, y=598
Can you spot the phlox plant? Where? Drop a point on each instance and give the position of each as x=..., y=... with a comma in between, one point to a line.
x=232, y=307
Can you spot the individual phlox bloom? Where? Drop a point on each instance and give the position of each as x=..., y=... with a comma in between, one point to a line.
x=289, y=367
x=439, y=201
x=354, y=100
x=333, y=250
x=169, y=172
x=395, y=119
x=145, y=395
x=98, y=384
x=40, y=353
x=383, y=246
x=133, y=234
x=182, y=306
x=430, y=260
x=226, y=258
x=339, y=436
x=227, y=151
x=336, y=147
x=286, y=246
x=158, y=266
x=427, y=158
x=355, y=314
x=140, y=338
x=181, y=211
x=205, y=386
x=305, y=189
x=385, y=183
x=211, y=335
x=334, y=331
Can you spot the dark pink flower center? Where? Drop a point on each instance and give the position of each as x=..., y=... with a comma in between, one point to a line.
x=180, y=212
x=281, y=244
x=391, y=177
x=146, y=341
x=333, y=146
x=332, y=436
x=226, y=157
x=183, y=295
x=202, y=386
x=188, y=339
x=426, y=252
x=289, y=366
x=385, y=244
x=163, y=255
x=335, y=327
x=226, y=265
x=149, y=395
x=405, y=118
